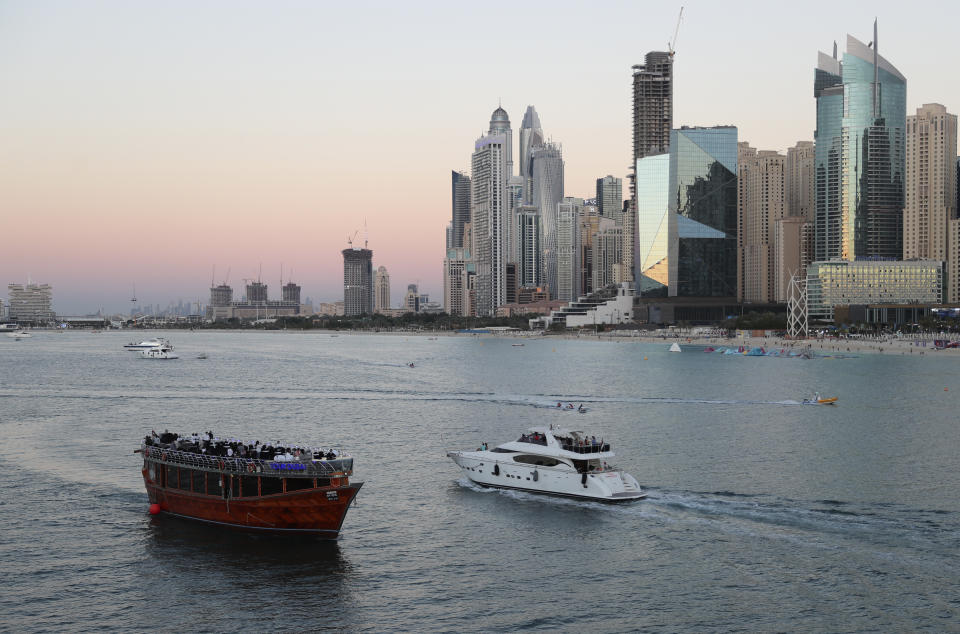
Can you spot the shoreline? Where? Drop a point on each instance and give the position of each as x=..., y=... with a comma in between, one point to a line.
x=890, y=346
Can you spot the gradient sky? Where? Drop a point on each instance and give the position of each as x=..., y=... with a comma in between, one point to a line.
x=144, y=143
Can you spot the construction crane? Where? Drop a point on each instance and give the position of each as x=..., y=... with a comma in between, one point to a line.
x=671, y=45
x=352, y=238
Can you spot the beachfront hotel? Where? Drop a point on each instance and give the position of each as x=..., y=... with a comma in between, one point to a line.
x=872, y=282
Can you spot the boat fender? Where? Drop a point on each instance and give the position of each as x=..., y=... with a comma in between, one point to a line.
x=583, y=480
x=250, y=467
x=536, y=476
x=496, y=469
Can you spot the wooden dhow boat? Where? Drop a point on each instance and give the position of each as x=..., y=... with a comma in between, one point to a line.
x=307, y=495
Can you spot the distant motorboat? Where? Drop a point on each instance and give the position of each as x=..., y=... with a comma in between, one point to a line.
x=820, y=400
x=147, y=344
x=202, y=355
x=17, y=335
x=517, y=345
x=675, y=347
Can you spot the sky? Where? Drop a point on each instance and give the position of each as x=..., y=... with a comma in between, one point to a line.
x=161, y=145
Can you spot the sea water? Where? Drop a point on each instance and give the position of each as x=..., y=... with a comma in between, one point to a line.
x=763, y=513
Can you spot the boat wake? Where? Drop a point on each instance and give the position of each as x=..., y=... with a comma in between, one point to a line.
x=541, y=401
x=882, y=529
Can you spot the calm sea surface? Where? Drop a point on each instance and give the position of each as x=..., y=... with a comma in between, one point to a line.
x=763, y=514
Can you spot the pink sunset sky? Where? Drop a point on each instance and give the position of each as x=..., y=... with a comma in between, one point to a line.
x=144, y=143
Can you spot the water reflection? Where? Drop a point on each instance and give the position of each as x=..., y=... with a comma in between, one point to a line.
x=184, y=542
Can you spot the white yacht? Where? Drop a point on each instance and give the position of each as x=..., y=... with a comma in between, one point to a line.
x=147, y=344
x=551, y=460
x=164, y=351
x=19, y=334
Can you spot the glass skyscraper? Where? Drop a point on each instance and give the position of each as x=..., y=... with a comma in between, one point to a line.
x=652, y=192
x=860, y=154
x=702, y=216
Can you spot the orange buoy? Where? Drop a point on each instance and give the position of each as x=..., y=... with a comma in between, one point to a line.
x=154, y=509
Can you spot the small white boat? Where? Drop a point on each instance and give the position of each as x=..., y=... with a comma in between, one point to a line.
x=19, y=334
x=554, y=461
x=147, y=344
x=675, y=347
x=202, y=355
x=517, y=345
x=159, y=352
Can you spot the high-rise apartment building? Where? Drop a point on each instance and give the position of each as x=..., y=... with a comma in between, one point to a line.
x=860, y=154
x=30, y=302
x=652, y=104
x=460, y=206
x=529, y=251
x=256, y=293
x=761, y=203
x=457, y=272
x=590, y=222
x=221, y=295
x=568, y=248
x=702, y=199
x=290, y=293
x=411, y=300
x=547, y=194
x=610, y=198
x=357, y=281
x=607, y=253
x=799, y=180
x=490, y=213
x=793, y=250
x=931, y=182
x=381, y=290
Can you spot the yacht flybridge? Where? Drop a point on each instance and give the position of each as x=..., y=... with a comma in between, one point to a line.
x=551, y=460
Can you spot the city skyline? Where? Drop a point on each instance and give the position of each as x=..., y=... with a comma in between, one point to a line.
x=246, y=134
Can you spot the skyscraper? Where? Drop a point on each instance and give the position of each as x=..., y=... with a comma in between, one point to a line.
x=652, y=104
x=652, y=193
x=492, y=165
x=357, y=281
x=799, y=180
x=381, y=290
x=610, y=198
x=607, y=253
x=702, y=199
x=652, y=124
x=531, y=137
x=760, y=180
x=568, y=248
x=530, y=255
x=460, y=205
x=860, y=145
x=547, y=193
x=931, y=182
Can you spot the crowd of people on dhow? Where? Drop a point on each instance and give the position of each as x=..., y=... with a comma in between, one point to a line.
x=209, y=445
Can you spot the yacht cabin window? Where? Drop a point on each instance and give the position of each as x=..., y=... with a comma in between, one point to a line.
x=542, y=461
